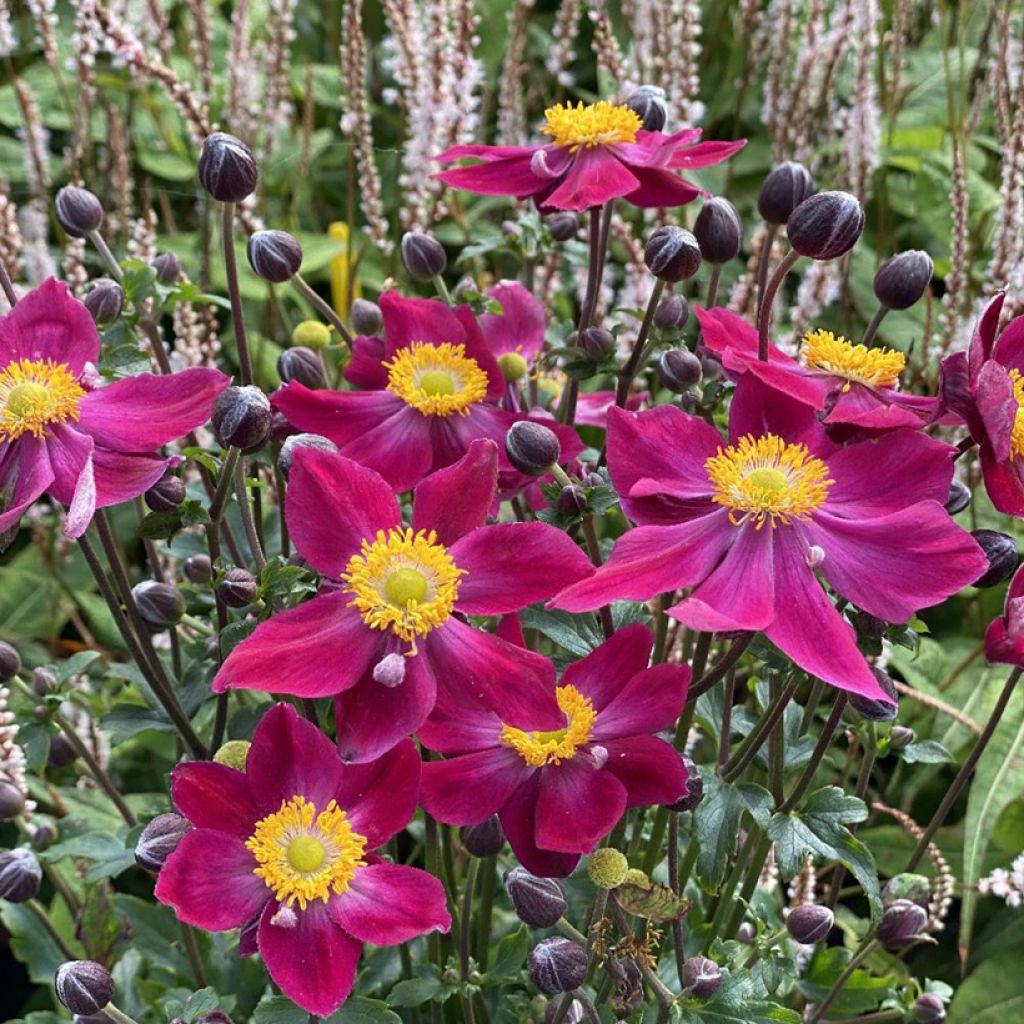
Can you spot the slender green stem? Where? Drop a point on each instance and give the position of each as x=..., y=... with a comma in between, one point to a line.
x=192, y=950
x=442, y=290
x=118, y=1016
x=594, y=551
x=8, y=286
x=764, y=312
x=488, y=883
x=776, y=762
x=835, y=718
x=716, y=274
x=764, y=261
x=840, y=983
x=727, y=703
x=747, y=750
x=224, y=482
x=465, y=936
x=754, y=869
x=231, y=271
x=107, y=256
x=673, y=881
x=817, y=689
x=44, y=920
x=867, y=764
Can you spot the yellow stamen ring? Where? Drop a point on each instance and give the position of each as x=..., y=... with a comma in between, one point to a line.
x=876, y=367
x=35, y=393
x=597, y=124
x=558, y=745
x=438, y=380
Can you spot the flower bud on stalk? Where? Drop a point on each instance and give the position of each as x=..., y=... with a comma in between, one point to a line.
x=12, y=800
x=422, y=256
x=10, y=662
x=783, y=190
x=607, y=867
x=84, y=986
x=701, y=976
x=596, y=342
x=284, y=460
x=900, y=737
x=902, y=279
x=485, y=839
x=563, y=226
x=532, y=448
x=104, y=300
x=311, y=334
x=62, y=753
x=20, y=875
x=826, y=226
x=167, y=493
x=227, y=168
x=648, y=103
x=276, y=256
x=160, y=605
x=810, y=923
x=877, y=710
x=572, y=501
x=694, y=788
x=366, y=317
x=557, y=965
x=79, y=211
x=719, y=231
x=159, y=839
x=303, y=365
x=241, y=418
x=672, y=254
x=902, y=922
x=672, y=313
x=43, y=682
x=234, y=754
x=198, y=569
x=929, y=1009
x=679, y=370
x=538, y=902
x=167, y=266
x=238, y=588
x=959, y=497
x=1001, y=552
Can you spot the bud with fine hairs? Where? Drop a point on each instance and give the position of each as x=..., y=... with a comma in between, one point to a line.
x=672, y=313
x=227, y=168
x=276, y=256
x=532, y=448
x=783, y=190
x=484, y=840
x=20, y=875
x=198, y=569
x=701, y=976
x=672, y=254
x=104, y=300
x=679, y=369
x=12, y=800
x=563, y=226
x=160, y=604
x=238, y=588
x=10, y=662
x=826, y=226
x=810, y=923
x=422, y=256
x=596, y=342
x=79, y=211
x=649, y=104
x=719, y=231
x=84, y=986
x=366, y=317
x=167, y=266
x=241, y=418
x=1001, y=551
x=959, y=497
x=166, y=494
x=902, y=279
x=877, y=710
x=902, y=922
x=929, y=1009
x=694, y=788
x=296, y=441
x=538, y=902
x=159, y=839
x=557, y=965
x=303, y=365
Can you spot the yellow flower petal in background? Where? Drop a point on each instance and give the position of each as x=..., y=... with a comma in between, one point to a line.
x=338, y=230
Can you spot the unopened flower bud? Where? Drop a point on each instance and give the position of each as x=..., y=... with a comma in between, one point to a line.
x=311, y=334
x=61, y=752
x=538, y=902
x=672, y=313
x=10, y=662
x=877, y=710
x=902, y=279
x=648, y=103
x=234, y=754
x=719, y=231
x=366, y=317
x=276, y=256
x=1001, y=551
x=557, y=965
x=679, y=370
x=908, y=886
x=901, y=737
x=694, y=788
x=12, y=800
x=485, y=839
x=959, y=497
x=513, y=366
x=43, y=682
x=284, y=460
x=563, y=226
x=532, y=448
x=167, y=267
x=672, y=254
x=465, y=290
x=572, y=501
x=241, y=418
x=607, y=867
x=826, y=226
x=79, y=211
x=280, y=428
x=810, y=923
x=159, y=839
x=238, y=588
x=783, y=190
x=198, y=568
x=746, y=933
x=422, y=256
x=871, y=625
x=167, y=493
x=301, y=364
x=104, y=300
x=596, y=342
x=216, y=1016
x=84, y=986
x=701, y=976
x=901, y=923
x=227, y=168
x=160, y=605
x=20, y=875
x=929, y=1009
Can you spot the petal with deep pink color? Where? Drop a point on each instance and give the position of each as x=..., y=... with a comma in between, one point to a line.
x=458, y=726
x=878, y=408
x=653, y=149
x=651, y=769
x=214, y=796
x=121, y=477
x=479, y=351
x=517, y=820
x=1009, y=346
x=48, y=323
x=594, y=177
x=25, y=473
x=482, y=152
x=468, y=789
x=658, y=187
x=956, y=394
x=705, y=154
x=758, y=409
x=606, y=670
x=519, y=327
x=510, y=176
x=983, y=338
x=997, y=406
x=408, y=320
x=399, y=449
x=366, y=368
x=455, y=500
x=577, y=805
x=340, y=416
x=74, y=479
x=1003, y=482
x=387, y=904
x=650, y=700
x=451, y=436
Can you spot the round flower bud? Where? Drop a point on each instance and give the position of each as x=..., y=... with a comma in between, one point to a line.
x=1001, y=552
x=233, y=754
x=167, y=493
x=422, y=256
x=44, y=833
x=84, y=986
x=43, y=682
x=513, y=366
x=366, y=317
x=901, y=737
x=12, y=800
x=826, y=226
x=20, y=875
x=901, y=923
x=563, y=226
x=672, y=254
x=672, y=313
x=485, y=839
x=104, y=300
x=902, y=279
x=198, y=569
x=238, y=588
x=634, y=876
x=532, y=448
x=61, y=752
x=694, y=788
x=877, y=710
x=10, y=662
x=311, y=334
x=746, y=933
x=275, y=256
x=959, y=497
x=464, y=289
x=908, y=886
x=571, y=501
x=719, y=231
x=870, y=625
x=810, y=923
x=301, y=364
x=701, y=976
x=167, y=267
x=596, y=342
x=538, y=902
x=227, y=168
x=241, y=418
x=159, y=839
x=679, y=370
x=929, y=1009
x=160, y=605
x=648, y=103
x=557, y=965
x=79, y=211
x=783, y=190
x=284, y=460
x=607, y=867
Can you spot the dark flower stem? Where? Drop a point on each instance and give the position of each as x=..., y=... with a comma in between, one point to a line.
x=872, y=329
x=835, y=718
x=237, y=316
x=716, y=275
x=594, y=551
x=867, y=764
x=858, y=958
x=673, y=881
x=764, y=262
x=8, y=286
x=484, y=911
x=721, y=667
x=465, y=935
x=636, y=357
x=322, y=306
x=764, y=310
x=755, y=739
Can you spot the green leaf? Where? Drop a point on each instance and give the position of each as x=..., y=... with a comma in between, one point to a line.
x=717, y=823
x=126, y=720
x=75, y=664
x=578, y=634
x=928, y=752
x=416, y=991
x=993, y=994
x=360, y=1010
x=30, y=943
x=278, y=1010
x=108, y=854
x=511, y=956
x=860, y=994
x=738, y=1000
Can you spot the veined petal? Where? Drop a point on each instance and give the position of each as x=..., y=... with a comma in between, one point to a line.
x=214, y=796
x=455, y=500
x=48, y=323
x=468, y=789
x=594, y=177
x=577, y=806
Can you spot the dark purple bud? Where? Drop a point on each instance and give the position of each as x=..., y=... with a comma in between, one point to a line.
x=672, y=313
x=485, y=839
x=275, y=256
x=366, y=317
x=44, y=833
x=284, y=460
x=1001, y=552
x=719, y=231
x=900, y=737
x=20, y=875
x=538, y=902
x=12, y=800
x=929, y=1009
x=10, y=662
x=227, y=168
x=710, y=366
x=280, y=428
x=901, y=923
x=160, y=605
x=679, y=370
x=167, y=267
x=198, y=569
x=785, y=188
x=532, y=448
x=959, y=497
x=563, y=226
x=159, y=839
x=746, y=933
x=648, y=103
x=84, y=986
x=241, y=418
x=43, y=682
x=557, y=965
x=104, y=300
x=464, y=288
x=422, y=256
x=870, y=625
x=826, y=226
x=167, y=493
x=877, y=710
x=238, y=588
x=79, y=211
x=596, y=342
x=61, y=752
x=810, y=923
x=301, y=364
x=214, y=1017
x=908, y=886
x=701, y=976
x=694, y=788
x=672, y=254
x=902, y=279
x=572, y=501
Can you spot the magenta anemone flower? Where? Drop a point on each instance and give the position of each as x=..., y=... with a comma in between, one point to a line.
x=430, y=388
x=515, y=336
x=848, y=383
x=87, y=447
x=391, y=626
x=561, y=764
x=745, y=525
x=597, y=152
x=985, y=388
x=1004, y=638
x=290, y=842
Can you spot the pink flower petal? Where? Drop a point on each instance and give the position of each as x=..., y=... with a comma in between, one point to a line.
x=418, y=320
x=120, y=477
x=656, y=187
x=480, y=352
x=340, y=416
x=511, y=176
x=49, y=324
x=706, y=154
x=399, y=449
x=997, y=406
x=983, y=339
x=74, y=479
x=651, y=769
x=520, y=325
x=577, y=806
x=650, y=700
x=25, y=473
x=594, y=177
x=468, y=789
x=1003, y=482
x=365, y=369
x=517, y=819
x=455, y=500
x=609, y=667
x=1009, y=347
x=758, y=409
x=214, y=796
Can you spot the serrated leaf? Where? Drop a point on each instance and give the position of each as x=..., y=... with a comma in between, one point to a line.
x=717, y=823
x=108, y=854
x=653, y=902
x=737, y=1001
